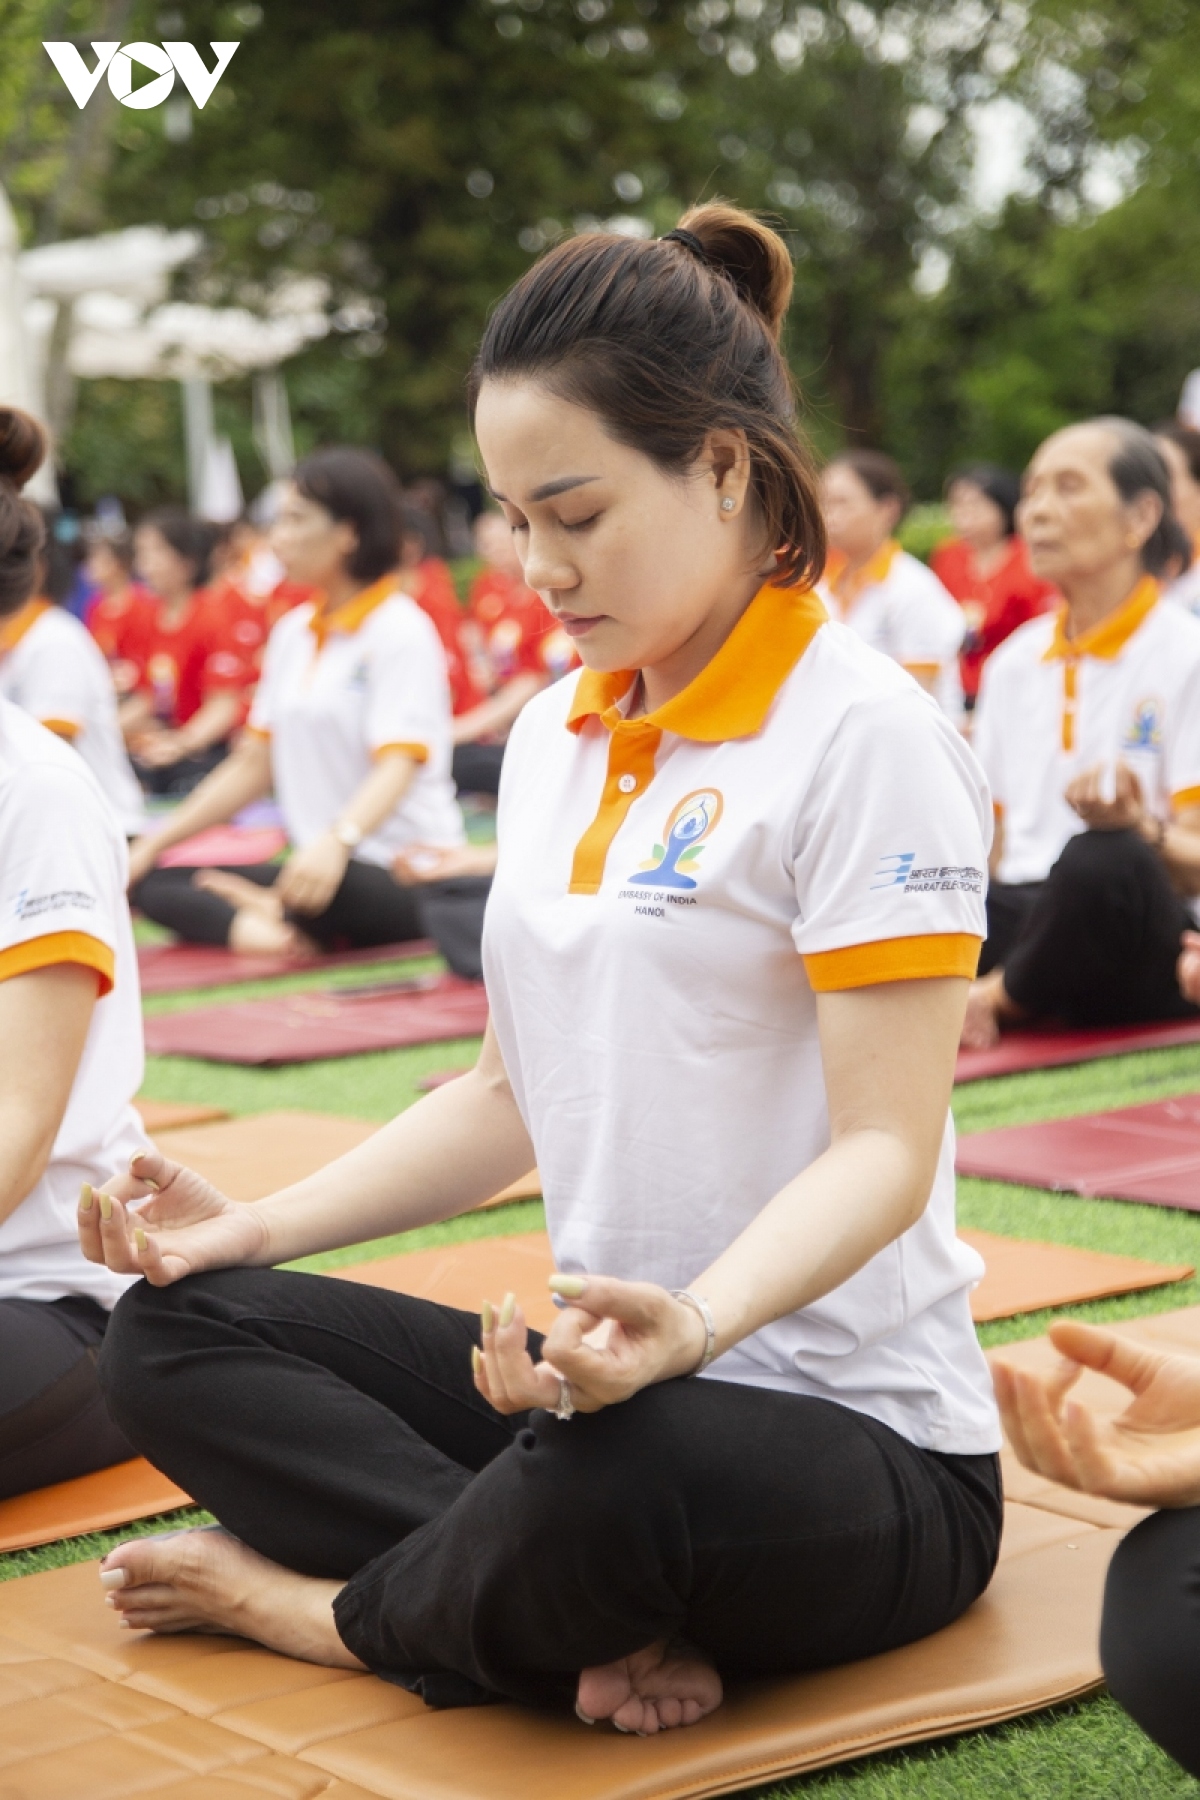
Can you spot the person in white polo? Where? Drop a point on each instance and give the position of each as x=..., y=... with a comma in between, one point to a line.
x=738, y=901
x=350, y=727
x=1088, y=728
x=893, y=601
x=70, y=1053
x=52, y=667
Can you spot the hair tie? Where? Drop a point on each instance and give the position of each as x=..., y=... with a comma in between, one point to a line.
x=689, y=240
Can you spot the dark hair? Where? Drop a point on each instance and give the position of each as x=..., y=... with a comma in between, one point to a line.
x=1137, y=466
x=879, y=474
x=58, y=562
x=192, y=538
x=666, y=341
x=1001, y=486
x=22, y=531
x=118, y=543
x=358, y=486
x=415, y=522
x=1188, y=440
x=1178, y=544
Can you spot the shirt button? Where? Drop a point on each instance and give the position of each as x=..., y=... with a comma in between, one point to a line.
x=627, y=783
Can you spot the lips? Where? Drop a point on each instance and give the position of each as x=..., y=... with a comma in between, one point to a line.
x=577, y=624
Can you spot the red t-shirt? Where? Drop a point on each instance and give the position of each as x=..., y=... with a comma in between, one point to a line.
x=247, y=620
x=122, y=626
x=192, y=658
x=509, y=632
x=431, y=585
x=994, y=604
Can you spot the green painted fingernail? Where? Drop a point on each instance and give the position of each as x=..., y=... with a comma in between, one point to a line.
x=105, y=1206
x=487, y=1318
x=569, y=1286
x=476, y=1358
x=508, y=1310
x=86, y=1197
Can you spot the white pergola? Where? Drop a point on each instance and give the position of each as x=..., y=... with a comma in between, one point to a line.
x=100, y=305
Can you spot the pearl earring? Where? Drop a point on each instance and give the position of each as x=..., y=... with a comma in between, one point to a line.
x=727, y=505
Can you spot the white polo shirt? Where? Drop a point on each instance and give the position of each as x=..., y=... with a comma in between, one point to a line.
x=1051, y=708
x=340, y=688
x=63, y=868
x=52, y=667
x=901, y=609
x=672, y=891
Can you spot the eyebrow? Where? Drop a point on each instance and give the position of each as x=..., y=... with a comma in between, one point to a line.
x=549, y=489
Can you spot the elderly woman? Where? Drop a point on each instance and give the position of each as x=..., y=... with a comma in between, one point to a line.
x=1088, y=728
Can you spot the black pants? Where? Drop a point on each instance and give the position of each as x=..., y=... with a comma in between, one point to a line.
x=335, y=1428
x=1150, y=1631
x=1095, y=943
x=178, y=779
x=476, y=768
x=369, y=908
x=54, y=1424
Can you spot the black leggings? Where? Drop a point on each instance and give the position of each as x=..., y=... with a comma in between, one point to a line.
x=1150, y=1631
x=1095, y=943
x=369, y=908
x=54, y=1424
x=335, y=1427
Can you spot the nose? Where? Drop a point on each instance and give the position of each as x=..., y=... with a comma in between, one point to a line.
x=544, y=567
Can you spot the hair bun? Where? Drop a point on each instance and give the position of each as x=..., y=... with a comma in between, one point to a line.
x=23, y=446
x=754, y=257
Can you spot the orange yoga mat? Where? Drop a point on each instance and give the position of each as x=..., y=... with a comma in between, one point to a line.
x=1021, y=1277
x=171, y=1115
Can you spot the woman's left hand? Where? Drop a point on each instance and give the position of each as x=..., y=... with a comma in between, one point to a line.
x=1121, y=809
x=312, y=876
x=615, y=1338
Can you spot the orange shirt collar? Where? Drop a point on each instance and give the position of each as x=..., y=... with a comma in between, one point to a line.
x=846, y=588
x=1109, y=637
x=350, y=615
x=732, y=694
x=13, y=629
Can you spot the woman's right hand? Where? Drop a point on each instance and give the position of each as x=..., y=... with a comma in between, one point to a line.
x=144, y=853
x=164, y=1222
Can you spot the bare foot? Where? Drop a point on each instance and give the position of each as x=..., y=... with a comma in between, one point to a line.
x=1187, y=969
x=208, y=1581
x=241, y=894
x=654, y=1690
x=254, y=933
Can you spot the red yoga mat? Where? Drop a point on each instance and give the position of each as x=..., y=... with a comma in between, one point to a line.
x=1021, y=1050
x=306, y=1027
x=173, y=968
x=226, y=845
x=1149, y=1153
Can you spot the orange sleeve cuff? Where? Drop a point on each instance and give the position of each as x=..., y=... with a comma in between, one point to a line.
x=1185, y=799
x=63, y=728
x=921, y=668
x=257, y=732
x=60, y=947
x=417, y=753
x=894, y=959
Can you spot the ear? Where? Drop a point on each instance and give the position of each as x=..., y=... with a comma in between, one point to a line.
x=346, y=537
x=1143, y=516
x=726, y=459
x=893, y=511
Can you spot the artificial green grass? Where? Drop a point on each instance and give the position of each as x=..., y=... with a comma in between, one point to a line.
x=1090, y=1751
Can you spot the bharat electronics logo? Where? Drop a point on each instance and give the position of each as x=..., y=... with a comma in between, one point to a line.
x=672, y=861
x=164, y=61
x=894, y=870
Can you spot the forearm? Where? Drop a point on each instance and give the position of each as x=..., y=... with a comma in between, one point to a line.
x=497, y=713
x=136, y=716
x=1179, y=847
x=457, y=1147
x=211, y=724
x=26, y=1140
x=380, y=793
x=243, y=777
x=818, y=1231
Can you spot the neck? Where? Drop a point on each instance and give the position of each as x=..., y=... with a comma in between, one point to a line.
x=341, y=588
x=661, y=681
x=1093, y=597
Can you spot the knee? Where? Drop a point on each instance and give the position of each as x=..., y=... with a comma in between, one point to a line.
x=1150, y=1627
x=595, y=1478
x=1094, y=860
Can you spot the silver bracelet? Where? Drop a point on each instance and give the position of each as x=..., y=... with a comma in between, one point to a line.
x=706, y=1319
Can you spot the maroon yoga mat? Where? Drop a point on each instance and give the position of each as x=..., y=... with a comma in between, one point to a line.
x=1149, y=1153
x=172, y=968
x=305, y=1027
x=1020, y=1050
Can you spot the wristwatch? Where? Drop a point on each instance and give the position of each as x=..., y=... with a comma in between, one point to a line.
x=348, y=834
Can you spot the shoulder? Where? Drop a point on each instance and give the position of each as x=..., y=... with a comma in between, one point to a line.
x=949, y=559
x=40, y=776
x=1022, y=649
x=909, y=576
x=1175, y=632
x=399, y=622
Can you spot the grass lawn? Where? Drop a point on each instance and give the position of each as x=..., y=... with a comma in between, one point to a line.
x=1089, y=1751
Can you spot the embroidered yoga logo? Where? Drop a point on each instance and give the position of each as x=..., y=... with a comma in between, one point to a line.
x=898, y=870
x=1145, y=730
x=164, y=61
x=671, y=862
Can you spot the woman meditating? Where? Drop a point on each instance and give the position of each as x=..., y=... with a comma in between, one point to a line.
x=351, y=728
x=737, y=905
x=70, y=1049
x=1088, y=728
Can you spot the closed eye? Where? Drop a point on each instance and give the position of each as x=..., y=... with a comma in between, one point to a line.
x=582, y=524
